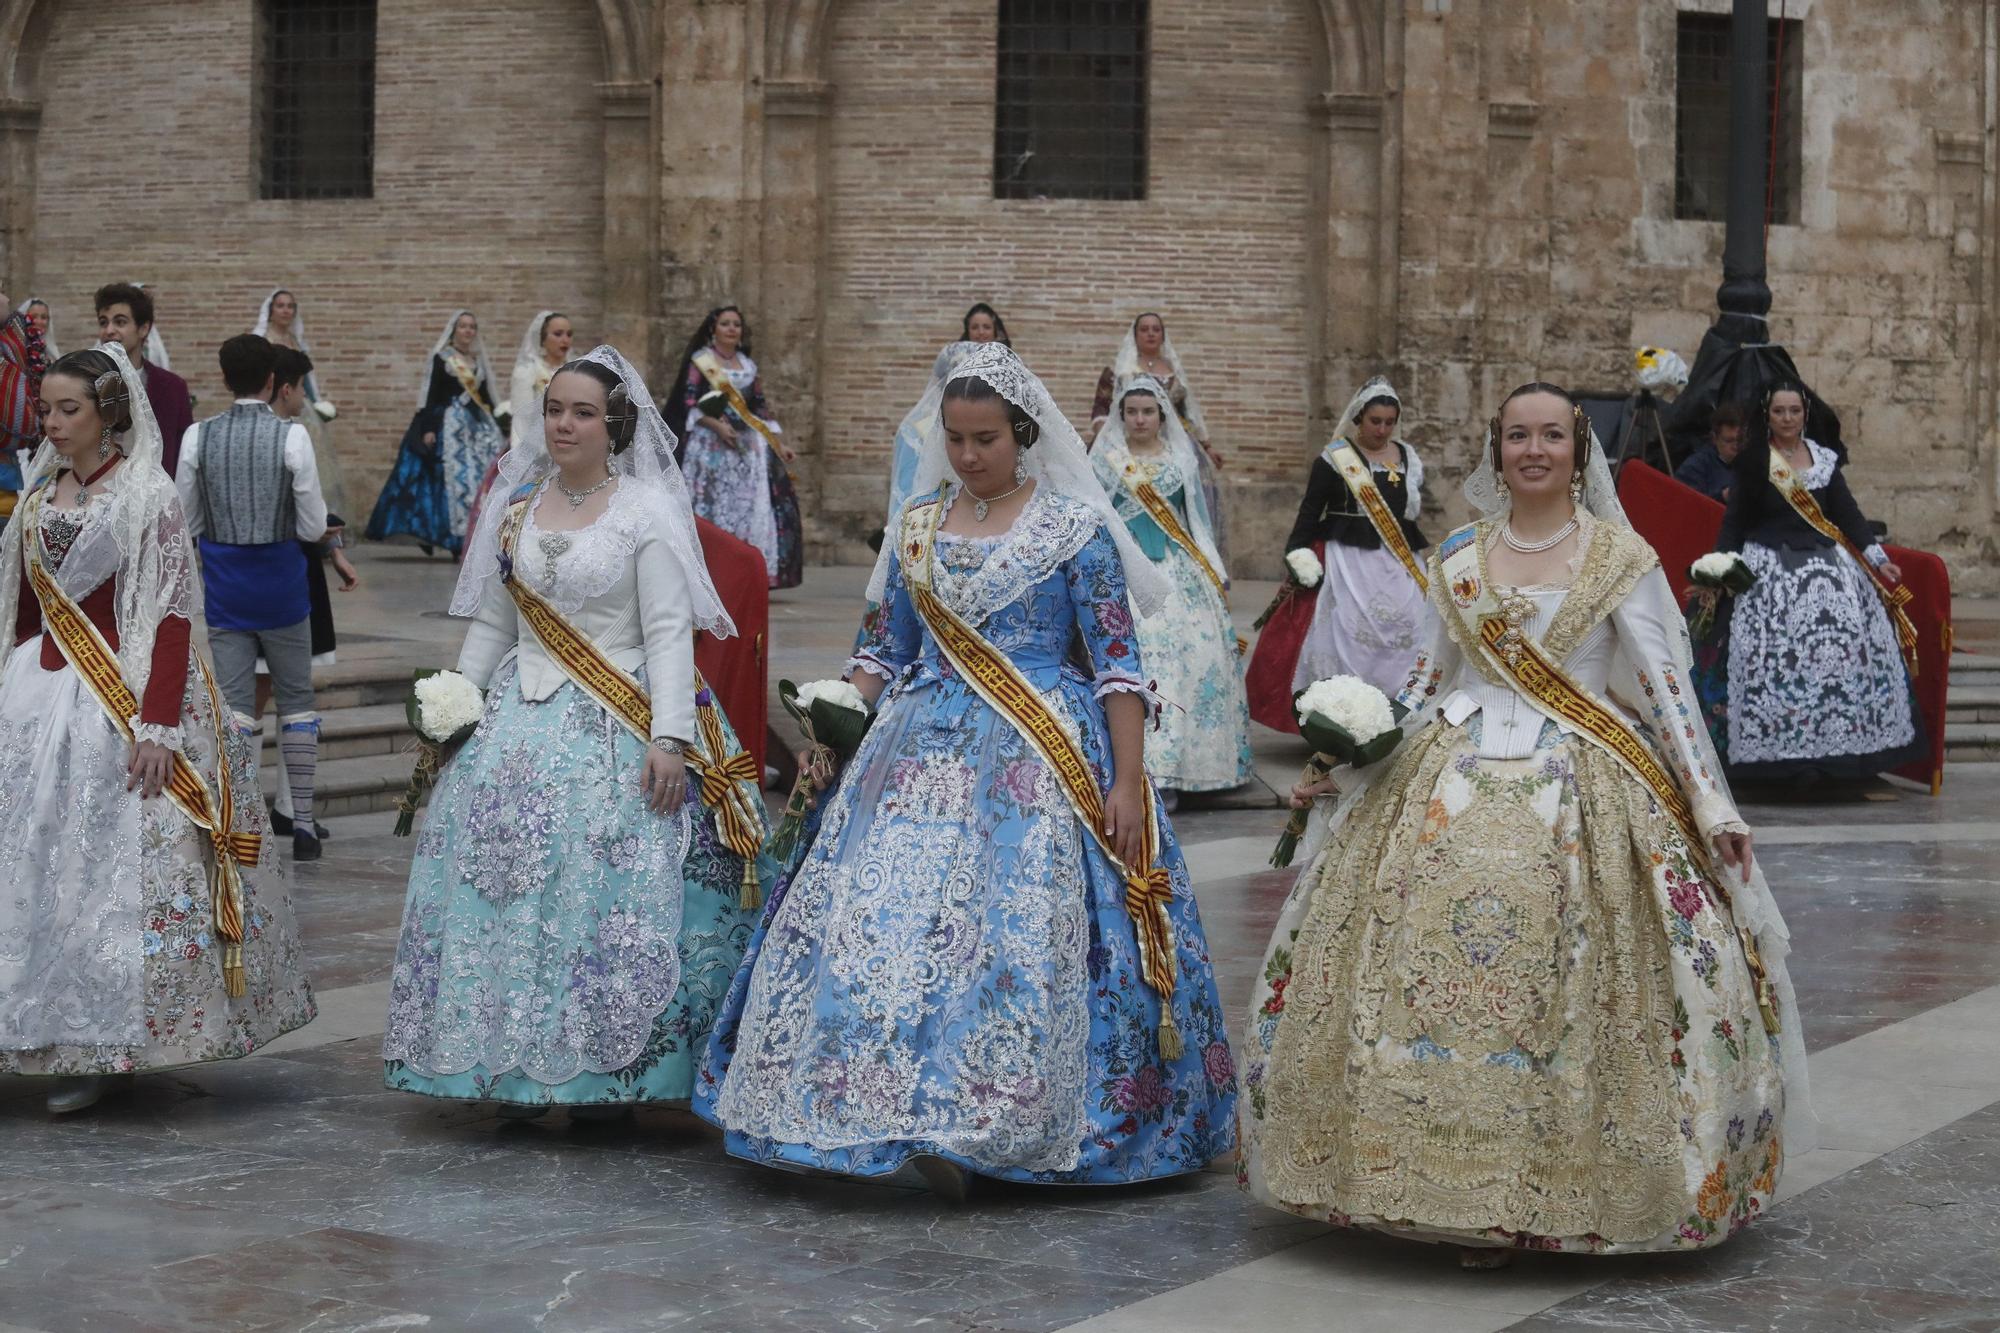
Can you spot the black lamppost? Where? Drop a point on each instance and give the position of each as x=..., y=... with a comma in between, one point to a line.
x=1738, y=359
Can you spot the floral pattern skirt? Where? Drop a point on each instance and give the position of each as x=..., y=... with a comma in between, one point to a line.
x=561, y=944
x=1370, y=620
x=108, y=957
x=951, y=972
x=1504, y=1007
x=1202, y=742
x=747, y=492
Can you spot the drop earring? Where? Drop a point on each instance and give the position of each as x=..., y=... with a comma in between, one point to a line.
x=1020, y=470
x=104, y=445
x=1575, y=489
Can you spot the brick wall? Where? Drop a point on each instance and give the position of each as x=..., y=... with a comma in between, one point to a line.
x=915, y=235
x=488, y=194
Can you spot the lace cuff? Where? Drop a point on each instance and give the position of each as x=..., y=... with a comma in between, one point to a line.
x=1119, y=682
x=1876, y=555
x=873, y=665
x=159, y=735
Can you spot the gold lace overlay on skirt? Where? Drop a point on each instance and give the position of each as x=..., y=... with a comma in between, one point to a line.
x=1478, y=1030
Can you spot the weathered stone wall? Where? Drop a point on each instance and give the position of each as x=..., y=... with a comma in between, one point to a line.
x=488, y=193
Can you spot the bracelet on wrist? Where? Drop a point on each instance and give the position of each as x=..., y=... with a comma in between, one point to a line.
x=669, y=745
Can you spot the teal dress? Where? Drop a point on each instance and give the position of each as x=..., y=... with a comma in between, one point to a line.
x=535, y=924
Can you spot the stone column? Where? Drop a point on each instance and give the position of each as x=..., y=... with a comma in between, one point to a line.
x=631, y=306
x=789, y=272
x=20, y=127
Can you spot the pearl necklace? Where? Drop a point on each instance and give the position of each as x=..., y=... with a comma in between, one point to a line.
x=1532, y=548
x=979, y=506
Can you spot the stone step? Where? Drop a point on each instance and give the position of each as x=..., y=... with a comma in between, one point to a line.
x=354, y=786
x=337, y=687
x=346, y=733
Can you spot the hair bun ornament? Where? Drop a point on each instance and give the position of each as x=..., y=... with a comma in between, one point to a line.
x=114, y=400
x=1027, y=433
x=621, y=419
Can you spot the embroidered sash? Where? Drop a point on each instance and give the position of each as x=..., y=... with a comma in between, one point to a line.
x=1895, y=596
x=468, y=379
x=1354, y=470
x=739, y=815
x=211, y=811
x=1162, y=512
x=1148, y=889
x=1506, y=648
x=718, y=379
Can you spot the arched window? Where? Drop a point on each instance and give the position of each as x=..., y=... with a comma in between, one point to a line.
x=1070, y=111
x=315, y=103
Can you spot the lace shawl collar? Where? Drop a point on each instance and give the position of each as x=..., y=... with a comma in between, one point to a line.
x=590, y=565
x=1051, y=530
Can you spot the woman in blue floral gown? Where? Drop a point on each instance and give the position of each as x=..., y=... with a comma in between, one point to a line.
x=951, y=978
x=450, y=442
x=570, y=931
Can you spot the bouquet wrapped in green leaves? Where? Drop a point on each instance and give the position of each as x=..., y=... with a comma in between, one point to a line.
x=834, y=717
x=1346, y=721
x=1715, y=574
x=443, y=709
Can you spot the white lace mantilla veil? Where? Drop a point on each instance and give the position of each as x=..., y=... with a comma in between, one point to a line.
x=442, y=347
x=140, y=538
x=1126, y=365
x=263, y=326
x=1753, y=904
x=648, y=476
x=49, y=352
x=911, y=428
x=1057, y=462
x=528, y=357
x=1113, y=449
x=156, y=346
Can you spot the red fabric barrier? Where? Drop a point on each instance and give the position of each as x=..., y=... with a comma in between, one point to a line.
x=738, y=669
x=1682, y=524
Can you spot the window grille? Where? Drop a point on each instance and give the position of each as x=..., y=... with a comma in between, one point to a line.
x=1701, y=118
x=315, y=99
x=1070, y=111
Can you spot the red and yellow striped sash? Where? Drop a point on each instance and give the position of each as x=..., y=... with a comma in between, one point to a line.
x=1347, y=461
x=1895, y=596
x=718, y=379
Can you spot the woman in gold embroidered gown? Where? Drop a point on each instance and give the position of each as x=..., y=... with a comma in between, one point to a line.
x=1510, y=1003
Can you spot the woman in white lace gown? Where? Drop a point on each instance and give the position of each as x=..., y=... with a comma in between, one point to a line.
x=1144, y=457
x=1532, y=991
x=569, y=931
x=956, y=976
x=1147, y=350
x=115, y=925
x=739, y=480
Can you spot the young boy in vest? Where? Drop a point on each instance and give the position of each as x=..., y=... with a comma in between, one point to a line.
x=250, y=489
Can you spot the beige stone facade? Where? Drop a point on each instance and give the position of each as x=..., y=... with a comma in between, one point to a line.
x=1461, y=193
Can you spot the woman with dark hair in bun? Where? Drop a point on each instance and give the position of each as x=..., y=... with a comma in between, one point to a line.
x=735, y=451
x=575, y=912
x=144, y=925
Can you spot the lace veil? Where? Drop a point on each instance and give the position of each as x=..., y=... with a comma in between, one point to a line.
x=1112, y=454
x=298, y=334
x=910, y=433
x=1126, y=365
x=49, y=352
x=527, y=362
x=442, y=347
x=1057, y=462
x=648, y=478
x=138, y=537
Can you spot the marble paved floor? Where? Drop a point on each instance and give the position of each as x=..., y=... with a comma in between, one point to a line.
x=290, y=1191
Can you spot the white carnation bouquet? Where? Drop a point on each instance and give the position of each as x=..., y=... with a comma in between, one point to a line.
x=327, y=411
x=1305, y=567
x=443, y=709
x=1346, y=721
x=834, y=717
x=1714, y=574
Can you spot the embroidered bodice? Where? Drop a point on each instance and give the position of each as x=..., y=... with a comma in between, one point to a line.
x=619, y=582
x=1616, y=631
x=1329, y=512
x=1029, y=591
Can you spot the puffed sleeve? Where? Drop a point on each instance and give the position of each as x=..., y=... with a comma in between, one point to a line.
x=1434, y=666
x=666, y=619
x=1320, y=485
x=1097, y=592
x=1652, y=640
x=1413, y=481
x=492, y=635
x=892, y=636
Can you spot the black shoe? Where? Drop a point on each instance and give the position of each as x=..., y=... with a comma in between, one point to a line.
x=305, y=847
x=283, y=826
